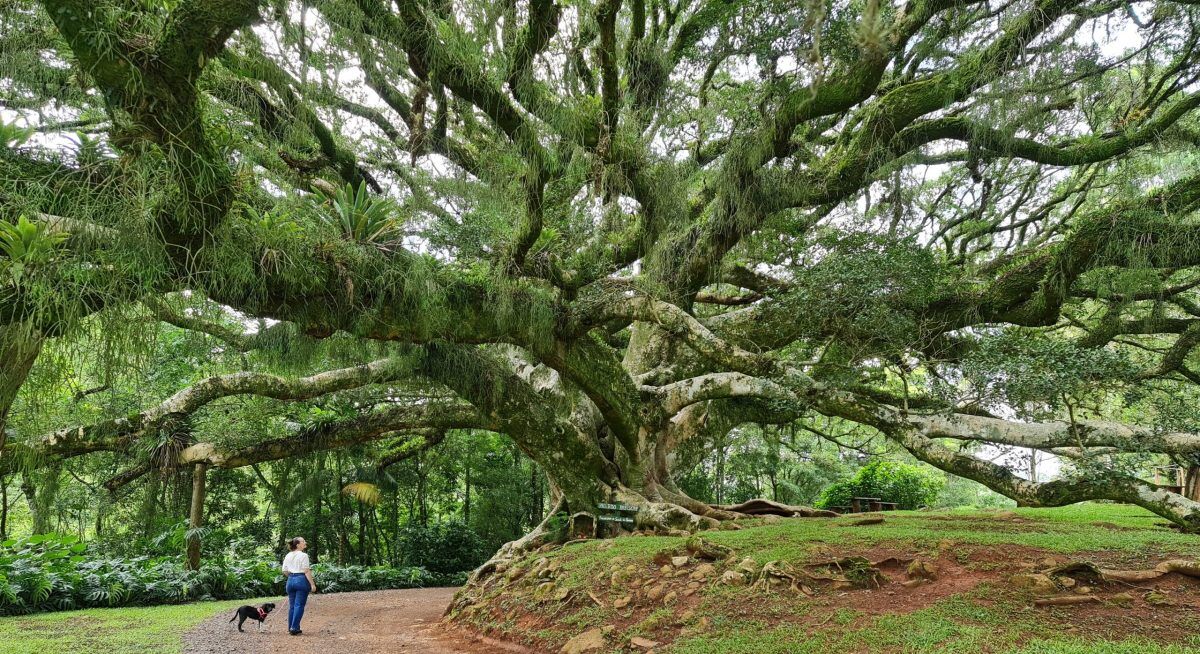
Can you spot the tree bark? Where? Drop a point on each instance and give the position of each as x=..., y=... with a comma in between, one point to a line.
x=3, y=507
x=467, y=488
x=1191, y=483
x=196, y=515
x=316, y=517
x=19, y=348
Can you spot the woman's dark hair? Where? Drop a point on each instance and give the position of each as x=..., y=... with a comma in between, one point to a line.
x=294, y=543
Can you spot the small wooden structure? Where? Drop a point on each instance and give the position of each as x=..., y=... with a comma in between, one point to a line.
x=865, y=504
x=860, y=504
x=1169, y=478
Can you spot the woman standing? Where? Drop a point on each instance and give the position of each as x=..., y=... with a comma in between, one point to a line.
x=299, y=582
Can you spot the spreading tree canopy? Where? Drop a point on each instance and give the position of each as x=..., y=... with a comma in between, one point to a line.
x=610, y=228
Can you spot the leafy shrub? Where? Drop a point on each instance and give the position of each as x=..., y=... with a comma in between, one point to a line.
x=908, y=486
x=50, y=573
x=445, y=548
x=334, y=579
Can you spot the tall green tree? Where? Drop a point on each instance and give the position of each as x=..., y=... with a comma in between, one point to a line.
x=608, y=229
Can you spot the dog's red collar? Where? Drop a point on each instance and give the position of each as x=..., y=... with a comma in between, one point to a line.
x=262, y=615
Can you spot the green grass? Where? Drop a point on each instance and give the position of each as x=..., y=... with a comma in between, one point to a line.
x=957, y=625
x=1065, y=530
x=141, y=630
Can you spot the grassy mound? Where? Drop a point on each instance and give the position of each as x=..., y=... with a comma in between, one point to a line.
x=916, y=582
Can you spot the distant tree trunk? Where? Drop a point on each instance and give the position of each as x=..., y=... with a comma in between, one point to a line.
x=393, y=527
x=467, y=498
x=277, y=491
x=535, y=495
x=719, y=483
x=541, y=495
x=363, y=556
x=341, y=515
x=196, y=515
x=146, y=511
x=316, y=517
x=41, y=500
x=422, y=503
x=100, y=518
x=3, y=507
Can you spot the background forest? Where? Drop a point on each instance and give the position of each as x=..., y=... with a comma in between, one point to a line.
x=445, y=506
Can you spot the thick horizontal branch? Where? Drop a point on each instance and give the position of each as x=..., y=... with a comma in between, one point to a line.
x=1077, y=152
x=682, y=324
x=1112, y=485
x=1049, y=435
x=440, y=415
x=118, y=433
x=677, y=396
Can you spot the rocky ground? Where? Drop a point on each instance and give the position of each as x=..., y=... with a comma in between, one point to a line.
x=990, y=582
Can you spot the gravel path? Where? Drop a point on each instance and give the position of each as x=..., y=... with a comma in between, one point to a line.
x=341, y=623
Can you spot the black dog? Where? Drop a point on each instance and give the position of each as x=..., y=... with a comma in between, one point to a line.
x=253, y=613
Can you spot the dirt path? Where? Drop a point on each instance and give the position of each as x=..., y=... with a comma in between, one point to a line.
x=404, y=621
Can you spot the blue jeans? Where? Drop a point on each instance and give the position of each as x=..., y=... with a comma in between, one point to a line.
x=297, y=592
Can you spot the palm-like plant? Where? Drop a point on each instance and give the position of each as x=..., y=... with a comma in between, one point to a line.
x=26, y=242
x=358, y=216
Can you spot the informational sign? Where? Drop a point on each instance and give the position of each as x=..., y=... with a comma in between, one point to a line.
x=617, y=507
x=626, y=508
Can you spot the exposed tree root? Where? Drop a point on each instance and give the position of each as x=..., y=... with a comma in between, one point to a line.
x=1067, y=600
x=777, y=574
x=1083, y=569
x=660, y=510
x=702, y=549
x=760, y=507
x=851, y=571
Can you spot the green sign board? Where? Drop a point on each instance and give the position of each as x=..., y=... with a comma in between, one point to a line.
x=618, y=507
x=616, y=518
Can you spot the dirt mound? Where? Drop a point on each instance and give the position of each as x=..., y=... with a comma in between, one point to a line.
x=545, y=599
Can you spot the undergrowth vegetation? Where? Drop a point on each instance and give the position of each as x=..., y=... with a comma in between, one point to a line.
x=52, y=573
